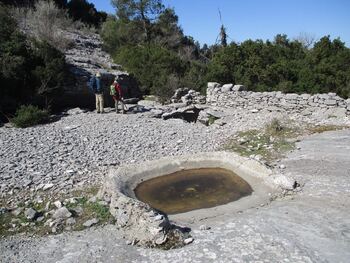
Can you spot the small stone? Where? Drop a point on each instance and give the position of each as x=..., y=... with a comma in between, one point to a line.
x=47, y=206
x=103, y=203
x=47, y=186
x=48, y=222
x=282, y=166
x=62, y=212
x=91, y=222
x=92, y=199
x=30, y=213
x=72, y=200
x=188, y=240
x=40, y=218
x=161, y=240
x=58, y=204
x=70, y=221
x=158, y=217
x=27, y=182
x=18, y=211
x=204, y=227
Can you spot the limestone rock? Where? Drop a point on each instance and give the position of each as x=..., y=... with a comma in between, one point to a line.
x=62, y=213
x=188, y=240
x=91, y=222
x=48, y=186
x=226, y=87
x=239, y=88
x=204, y=227
x=18, y=211
x=213, y=85
x=58, y=204
x=30, y=213
x=70, y=221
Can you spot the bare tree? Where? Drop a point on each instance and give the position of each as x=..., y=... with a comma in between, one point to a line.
x=306, y=39
x=46, y=22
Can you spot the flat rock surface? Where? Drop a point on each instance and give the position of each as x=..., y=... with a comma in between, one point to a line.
x=311, y=226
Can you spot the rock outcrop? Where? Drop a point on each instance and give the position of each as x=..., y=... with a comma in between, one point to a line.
x=188, y=96
x=86, y=57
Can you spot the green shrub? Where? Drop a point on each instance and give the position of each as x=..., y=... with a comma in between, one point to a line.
x=31, y=71
x=30, y=115
x=151, y=65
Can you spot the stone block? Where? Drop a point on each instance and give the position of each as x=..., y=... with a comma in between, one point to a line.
x=323, y=96
x=291, y=96
x=305, y=96
x=227, y=87
x=239, y=88
x=212, y=85
x=330, y=102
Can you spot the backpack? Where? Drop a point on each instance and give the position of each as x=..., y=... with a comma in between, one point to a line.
x=112, y=92
x=92, y=84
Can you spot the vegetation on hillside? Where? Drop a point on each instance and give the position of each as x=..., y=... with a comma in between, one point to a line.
x=33, y=68
x=284, y=65
x=79, y=10
x=32, y=71
x=146, y=39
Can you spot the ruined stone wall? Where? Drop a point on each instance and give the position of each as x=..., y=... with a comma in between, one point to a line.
x=237, y=97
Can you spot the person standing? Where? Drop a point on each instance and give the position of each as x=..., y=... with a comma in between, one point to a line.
x=117, y=94
x=96, y=86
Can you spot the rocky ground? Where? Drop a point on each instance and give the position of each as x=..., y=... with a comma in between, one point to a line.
x=75, y=152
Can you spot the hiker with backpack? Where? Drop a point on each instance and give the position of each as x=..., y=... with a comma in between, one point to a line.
x=95, y=85
x=117, y=93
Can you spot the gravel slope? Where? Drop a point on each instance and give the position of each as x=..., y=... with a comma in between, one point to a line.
x=77, y=150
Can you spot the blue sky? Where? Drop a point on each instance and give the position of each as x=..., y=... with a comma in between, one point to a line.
x=258, y=19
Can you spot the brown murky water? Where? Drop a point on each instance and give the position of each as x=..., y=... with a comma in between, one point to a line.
x=188, y=190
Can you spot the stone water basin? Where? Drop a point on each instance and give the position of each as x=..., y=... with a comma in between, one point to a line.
x=187, y=190
x=192, y=189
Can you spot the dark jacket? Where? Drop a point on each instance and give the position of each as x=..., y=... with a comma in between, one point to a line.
x=95, y=85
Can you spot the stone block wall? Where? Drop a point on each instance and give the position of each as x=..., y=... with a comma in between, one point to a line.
x=238, y=97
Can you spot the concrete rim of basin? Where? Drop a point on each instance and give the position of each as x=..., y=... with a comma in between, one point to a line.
x=148, y=225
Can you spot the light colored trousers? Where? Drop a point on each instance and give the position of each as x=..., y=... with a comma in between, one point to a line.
x=116, y=105
x=99, y=103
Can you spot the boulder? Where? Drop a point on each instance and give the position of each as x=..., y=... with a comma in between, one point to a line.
x=62, y=213
x=330, y=102
x=227, y=87
x=239, y=88
x=213, y=85
x=131, y=101
x=179, y=93
x=30, y=213
x=91, y=222
x=189, y=114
